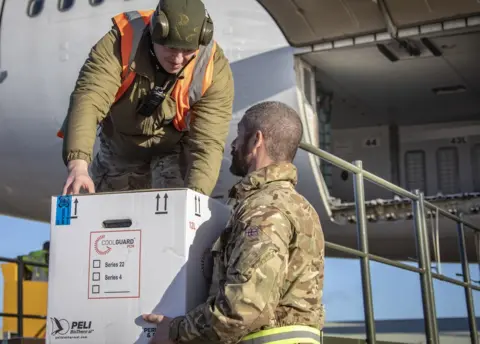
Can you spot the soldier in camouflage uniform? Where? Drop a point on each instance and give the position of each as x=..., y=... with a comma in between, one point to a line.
x=37, y=273
x=180, y=141
x=269, y=261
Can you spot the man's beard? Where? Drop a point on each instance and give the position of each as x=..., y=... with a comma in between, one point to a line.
x=238, y=167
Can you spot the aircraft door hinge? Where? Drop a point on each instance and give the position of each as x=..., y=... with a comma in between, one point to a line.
x=391, y=27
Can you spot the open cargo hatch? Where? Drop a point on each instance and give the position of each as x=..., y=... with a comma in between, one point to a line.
x=307, y=22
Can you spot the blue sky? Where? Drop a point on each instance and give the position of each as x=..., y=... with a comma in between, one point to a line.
x=396, y=292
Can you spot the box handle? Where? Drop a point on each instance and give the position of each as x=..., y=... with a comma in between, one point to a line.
x=119, y=223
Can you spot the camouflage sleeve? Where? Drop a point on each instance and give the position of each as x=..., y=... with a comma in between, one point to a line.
x=254, y=278
x=210, y=123
x=90, y=101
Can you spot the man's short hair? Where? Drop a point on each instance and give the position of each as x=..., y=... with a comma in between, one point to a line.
x=280, y=125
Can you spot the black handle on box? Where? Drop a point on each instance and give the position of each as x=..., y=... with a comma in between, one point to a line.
x=119, y=223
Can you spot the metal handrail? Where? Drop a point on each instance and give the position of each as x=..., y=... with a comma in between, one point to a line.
x=20, y=314
x=424, y=270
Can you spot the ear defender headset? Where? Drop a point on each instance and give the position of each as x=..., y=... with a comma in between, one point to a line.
x=159, y=27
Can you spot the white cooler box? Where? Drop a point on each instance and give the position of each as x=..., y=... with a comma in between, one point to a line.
x=115, y=256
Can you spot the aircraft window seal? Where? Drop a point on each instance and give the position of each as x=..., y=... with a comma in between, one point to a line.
x=95, y=2
x=447, y=170
x=324, y=109
x=475, y=162
x=35, y=7
x=307, y=85
x=65, y=5
x=415, y=172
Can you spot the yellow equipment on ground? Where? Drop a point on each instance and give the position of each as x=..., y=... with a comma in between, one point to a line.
x=34, y=303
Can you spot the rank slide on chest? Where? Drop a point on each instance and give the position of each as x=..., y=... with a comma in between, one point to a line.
x=114, y=264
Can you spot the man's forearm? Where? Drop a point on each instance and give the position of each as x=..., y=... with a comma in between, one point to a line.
x=81, y=130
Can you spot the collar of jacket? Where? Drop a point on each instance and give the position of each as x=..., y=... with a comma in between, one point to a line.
x=277, y=172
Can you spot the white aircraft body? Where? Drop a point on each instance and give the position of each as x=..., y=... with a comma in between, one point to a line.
x=393, y=83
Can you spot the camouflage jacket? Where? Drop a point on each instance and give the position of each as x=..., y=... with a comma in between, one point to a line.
x=268, y=264
x=91, y=104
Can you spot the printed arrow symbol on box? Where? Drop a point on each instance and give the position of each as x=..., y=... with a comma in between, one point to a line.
x=165, y=197
x=75, y=209
x=197, y=206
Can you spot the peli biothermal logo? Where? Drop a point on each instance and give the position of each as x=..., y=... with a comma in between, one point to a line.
x=104, y=246
x=59, y=326
x=64, y=329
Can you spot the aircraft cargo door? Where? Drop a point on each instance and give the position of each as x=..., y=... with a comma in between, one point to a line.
x=307, y=101
x=3, y=73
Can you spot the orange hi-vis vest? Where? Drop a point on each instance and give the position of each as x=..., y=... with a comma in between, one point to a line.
x=197, y=75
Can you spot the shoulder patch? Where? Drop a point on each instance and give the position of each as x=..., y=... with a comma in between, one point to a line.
x=252, y=231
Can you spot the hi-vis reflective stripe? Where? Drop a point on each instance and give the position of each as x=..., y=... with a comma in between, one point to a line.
x=284, y=335
x=197, y=78
x=130, y=25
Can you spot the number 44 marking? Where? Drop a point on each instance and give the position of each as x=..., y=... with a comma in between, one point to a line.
x=371, y=142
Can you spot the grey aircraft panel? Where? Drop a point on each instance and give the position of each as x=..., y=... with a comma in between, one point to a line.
x=310, y=22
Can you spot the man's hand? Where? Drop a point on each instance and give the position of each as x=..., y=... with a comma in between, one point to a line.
x=163, y=328
x=78, y=178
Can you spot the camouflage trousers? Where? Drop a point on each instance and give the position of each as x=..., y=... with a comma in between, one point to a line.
x=112, y=172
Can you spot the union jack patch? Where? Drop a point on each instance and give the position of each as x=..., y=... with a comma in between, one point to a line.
x=252, y=231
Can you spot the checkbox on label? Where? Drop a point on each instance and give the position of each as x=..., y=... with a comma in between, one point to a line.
x=96, y=264
x=95, y=289
x=96, y=276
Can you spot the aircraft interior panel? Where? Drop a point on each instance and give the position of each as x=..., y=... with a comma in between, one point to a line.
x=447, y=157
x=371, y=145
